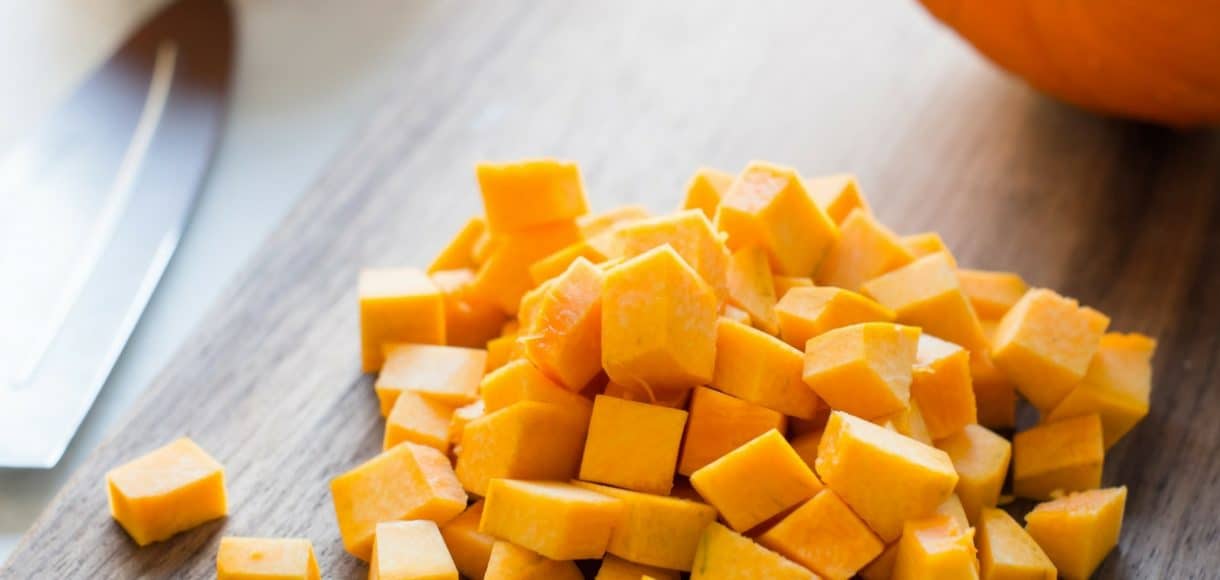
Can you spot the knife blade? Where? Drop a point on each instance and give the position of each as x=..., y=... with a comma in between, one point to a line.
x=91, y=209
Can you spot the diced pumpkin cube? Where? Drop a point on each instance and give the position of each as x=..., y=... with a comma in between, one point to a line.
x=557, y=520
x=942, y=386
x=505, y=277
x=594, y=225
x=406, y=482
x=519, y=381
x=807, y=312
x=726, y=555
x=449, y=374
x=512, y=562
x=526, y=440
x=935, y=547
x=838, y=195
x=563, y=337
x=278, y=558
x=981, y=459
x=418, y=419
x=412, y=550
x=768, y=206
x=469, y=321
x=757, y=367
x=885, y=477
x=865, y=249
x=1044, y=344
x=720, y=423
x=926, y=293
x=459, y=252
x=672, y=398
x=1078, y=530
x=824, y=535
x=704, y=190
x=502, y=350
x=555, y=264
x=752, y=288
x=165, y=491
x=658, y=322
x=952, y=507
x=1065, y=455
x=991, y=293
x=756, y=481
x=632, y=445
x=1007, y=552
x=926, y=243
x=909, y=422
x=524, y=194
x=881, y=568
x=785, y=283
x=656, y=530
x=863, y=369
x=994, y=396
x=462, y=416
x=397, y=305
x=1116, y=386
x=689, y=233
x=806, y=446
x=470, y=548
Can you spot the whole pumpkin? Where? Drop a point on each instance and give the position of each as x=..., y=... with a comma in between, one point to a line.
x=1155, y=60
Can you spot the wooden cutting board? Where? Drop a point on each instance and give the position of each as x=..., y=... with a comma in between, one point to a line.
x=1125, y=217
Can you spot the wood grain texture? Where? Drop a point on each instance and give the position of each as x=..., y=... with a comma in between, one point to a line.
x=1125, y=217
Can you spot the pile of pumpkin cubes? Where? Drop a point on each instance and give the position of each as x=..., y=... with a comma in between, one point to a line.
x=767, y=383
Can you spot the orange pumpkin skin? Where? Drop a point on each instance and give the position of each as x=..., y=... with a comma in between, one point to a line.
x=1154, y=60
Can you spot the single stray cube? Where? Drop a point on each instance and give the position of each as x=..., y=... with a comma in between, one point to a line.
x=865, y=249
x=704, y=190
x=824, y=535
x=809, y=311
x=927, y=294
x=656, y=530
x=991, y=293
x=558, y=520
x=1116, y=386
x=277, y=558
x=838, y=195
x=526, y=440
x=935, y=547
x=168, y=490
x=407, y=482
x=751, y=287
x=1065, y=455
x=397, y=305
x=757, y=367
x=411, y=550
x=511, y=562
x=720, y=423
x=726, y=555
x=658, y=322
x=768, y=206
x=756, y=481
x=632, y=445
x=563, y=337
x=469, y=548
x=942, y=386
x=1006, y=550
x=981, y=459
x=449, y=374
x=1044, y=344
x=1078, y=530
x=863, y=369
x=522, y=194
x=885, y=477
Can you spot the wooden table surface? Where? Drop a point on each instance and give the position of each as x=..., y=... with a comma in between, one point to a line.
x=1124, y=217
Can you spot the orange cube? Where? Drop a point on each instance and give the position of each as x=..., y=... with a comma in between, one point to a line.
x=991, y=293
x=994, y=395
x=519, y=381
x=563, y=337
x=926, y=293
x=785, y=283
x=596, y=251
x=505, y=276
x=806, y=446
x=469, y=321
x=935, y=547
x=406, y=482
x=767, y=206
x=1078, y=530
x=807, y=312
x=470, y=548
x=672, y=398
x=560, y=521
x=866, y=249
x=734, y=483
x=824, y=535
x=412, y=550
x=725, y=554
x=704, y=190
x=458, y=254
x=658, y=322
x=511, y=562
x=1007, y=551
x=882, y=568
x=1116, y=386
x=720, y=423
x=885, y=477
x=927, y=243
x=397, y=305
x=1044, y=344
x=689, y=233
x=168, y=490
x=418, y=419
x=526, y=440
x=632, y=445
x=909, y=422
x=596, y=225
x=942, y=386
x=752, y=288
x=501, y=351
x=461, y=417
x=838, y=195
x=863, y=369
x=1066, y=455
x=524, y=194
x=449, y=374
x=981, y=459
x=757, y=367
x=656, y=530
x=256, y=558
x=953, y=508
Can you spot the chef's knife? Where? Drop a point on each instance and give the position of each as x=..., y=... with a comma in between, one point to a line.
x=91, y=208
